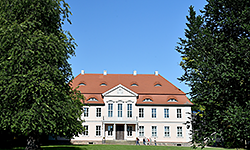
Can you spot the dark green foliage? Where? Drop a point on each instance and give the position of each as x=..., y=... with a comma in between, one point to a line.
x=216, y=61
x=34, y=72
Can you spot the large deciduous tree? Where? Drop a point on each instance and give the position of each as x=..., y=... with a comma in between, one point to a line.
x=35, y=93
x=216, y=61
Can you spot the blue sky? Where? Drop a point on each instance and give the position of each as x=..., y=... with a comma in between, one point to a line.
x=121, y=36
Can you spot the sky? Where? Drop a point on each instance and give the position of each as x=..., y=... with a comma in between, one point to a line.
x=121, y=36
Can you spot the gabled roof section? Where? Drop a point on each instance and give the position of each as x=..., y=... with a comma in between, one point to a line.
x=119, y=90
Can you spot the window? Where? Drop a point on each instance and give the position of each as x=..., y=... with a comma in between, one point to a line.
x=141, y=112
x=103, y=84
x=129, y=110
x=158, y=85
x=119, y=110
x=86, y=130
x=110, y=110
x=110, y=130
x=166, y=131
x=172, y=100
x=83, y=84
x=129, y=133
x=86, y=112
x=179, y=131
x=166, y=113
x=178, y=113
x=147, y=100
x=154, y=130
x=141, y=130
x=98, y=112
x=153, y=112
x=98, y=131
x=92, y=99
x=134, y=84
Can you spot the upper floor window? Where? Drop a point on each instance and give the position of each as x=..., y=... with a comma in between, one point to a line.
x=153, y=112
x=92, y=99
x=158, y=85
x=166, y=113
x=86, y=112
x=83, y=84
x=98, y=112
x=129, y=112
x=103, y=84
x=110, y=110
x=179, y=131
x=154, y=130
x=147, y=100
x=166, y=131
x=178, y=113
x=119, y=110
x=141, y=112
x=172, y=100
x=86, y=130
x=134, y=84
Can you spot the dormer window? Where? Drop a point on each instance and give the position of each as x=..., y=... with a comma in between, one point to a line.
x=103, y=84
x=82, y=84
x=158, y=85
x=92, y=99
x=172, y=100
x=134, y=84
x=147, y=100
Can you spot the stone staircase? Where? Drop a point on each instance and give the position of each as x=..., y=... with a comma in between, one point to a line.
x=120, y=142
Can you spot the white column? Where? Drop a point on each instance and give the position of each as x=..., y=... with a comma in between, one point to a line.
x=125, y=132
x=103, y=127
x=114, y=132
x=136, y=130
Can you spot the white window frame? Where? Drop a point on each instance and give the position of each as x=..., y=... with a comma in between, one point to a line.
x=178, y=112
x=86, y=112
x=179, y=131
x=154, y=131
x=141, y=113
x=166, y=112
x=153, y=113
x=98, y=112
x=129, y=130
x=129, y=111
x=98, y=130
x=110, y=109
x=110, y=130
x=86, y=130
x=141, y=131
x=119, y=109
x=166, y=131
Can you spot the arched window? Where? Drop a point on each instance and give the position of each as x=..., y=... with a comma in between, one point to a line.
x=158, y=85
x=81, y=84
x=92, y=99
x=147, y=100
x=172, y=100
x=103, y=84
x=134, y=84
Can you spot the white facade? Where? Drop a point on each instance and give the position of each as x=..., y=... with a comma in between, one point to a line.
x=121, y=117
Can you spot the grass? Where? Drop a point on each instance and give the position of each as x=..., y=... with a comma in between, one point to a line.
x=118, y=147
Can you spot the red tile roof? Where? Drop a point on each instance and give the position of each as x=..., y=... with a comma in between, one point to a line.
x=146, y=87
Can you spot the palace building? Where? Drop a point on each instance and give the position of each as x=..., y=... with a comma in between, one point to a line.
x=123, y=107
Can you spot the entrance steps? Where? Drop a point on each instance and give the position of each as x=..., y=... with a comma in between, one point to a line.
x=120, y=142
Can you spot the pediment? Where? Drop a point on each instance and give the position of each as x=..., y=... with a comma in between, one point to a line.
x=120, y=91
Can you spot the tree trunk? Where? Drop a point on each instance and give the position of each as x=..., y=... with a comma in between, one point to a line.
x=33, y=142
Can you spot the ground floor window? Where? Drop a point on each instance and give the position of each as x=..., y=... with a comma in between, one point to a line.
x=154, y=130
x=129, y=133
x=166, y=131
x=86, y=130
x=98, y=130
x=110, y=130
x=179, y=131
x=141, y=130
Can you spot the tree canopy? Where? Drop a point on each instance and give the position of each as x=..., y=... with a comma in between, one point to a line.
x=216, y=60
x=35, y=92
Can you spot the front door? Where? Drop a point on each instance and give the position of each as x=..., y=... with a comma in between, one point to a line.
x=120, y=132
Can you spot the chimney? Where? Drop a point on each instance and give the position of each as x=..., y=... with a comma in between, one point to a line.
x=105, y=72
x=82, y=72
x=134, y=73
x=156, y=73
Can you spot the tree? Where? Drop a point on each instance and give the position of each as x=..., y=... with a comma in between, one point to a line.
x=216, y=61
x=36, y=96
